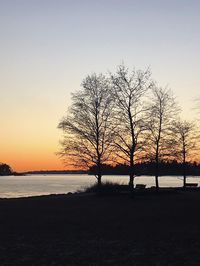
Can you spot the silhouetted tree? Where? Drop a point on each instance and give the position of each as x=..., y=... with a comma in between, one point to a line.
x=88, y=130
x=161, y=112
x=184, y=143
x=5, y=169
x=128, y=90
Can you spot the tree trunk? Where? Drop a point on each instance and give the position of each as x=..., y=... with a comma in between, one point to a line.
x=131, y=182
x=184, y=181
x=99, y=175
x=99, y=181
x=184, y=169
x=156, y=181
x=184, y=174
x=157, y=172
x=132, y=174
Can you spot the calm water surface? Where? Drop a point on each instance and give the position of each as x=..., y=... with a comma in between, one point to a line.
x=35, y=185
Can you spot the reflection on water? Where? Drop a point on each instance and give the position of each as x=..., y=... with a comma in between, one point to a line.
x=34, y=185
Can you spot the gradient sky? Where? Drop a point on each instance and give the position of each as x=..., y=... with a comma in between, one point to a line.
x=48, y=47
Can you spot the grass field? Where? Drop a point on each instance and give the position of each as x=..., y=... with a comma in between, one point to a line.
x=86, y=229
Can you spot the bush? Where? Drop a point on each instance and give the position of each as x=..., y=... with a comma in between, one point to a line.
x=106, y=187
x=5, y=169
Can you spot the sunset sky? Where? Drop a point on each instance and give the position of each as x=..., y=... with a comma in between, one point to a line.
x=49, y=46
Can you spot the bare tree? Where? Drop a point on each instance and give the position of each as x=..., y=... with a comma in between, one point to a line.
x=87, y=127
x=128, y=90
x=161, y=112
x=184, y=143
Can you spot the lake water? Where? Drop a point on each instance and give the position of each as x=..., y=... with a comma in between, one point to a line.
x=35, y=185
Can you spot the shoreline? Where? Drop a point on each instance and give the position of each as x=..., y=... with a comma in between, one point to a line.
x=148, y=190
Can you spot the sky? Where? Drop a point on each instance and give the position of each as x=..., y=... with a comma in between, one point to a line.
x=49, y=46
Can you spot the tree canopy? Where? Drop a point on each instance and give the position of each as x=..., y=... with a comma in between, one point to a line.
x=122, y=118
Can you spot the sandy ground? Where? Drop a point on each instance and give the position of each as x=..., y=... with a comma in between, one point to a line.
x=89, y=230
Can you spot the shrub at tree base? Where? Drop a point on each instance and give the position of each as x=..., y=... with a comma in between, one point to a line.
x=106, y=188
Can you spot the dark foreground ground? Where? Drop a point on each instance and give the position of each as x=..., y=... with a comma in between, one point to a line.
x=101, y=230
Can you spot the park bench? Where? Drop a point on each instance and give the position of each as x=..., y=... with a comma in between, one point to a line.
x=140, y=186
x=191, y=185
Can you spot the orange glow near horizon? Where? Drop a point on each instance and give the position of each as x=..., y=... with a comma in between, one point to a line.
x=36, y=156
x=43, y=160
x=36, y=151
x=32, y=152
x=31, y=162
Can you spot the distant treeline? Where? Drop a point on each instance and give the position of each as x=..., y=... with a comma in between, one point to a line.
x=55, y=172
x=148, y=168
x=6, y=169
